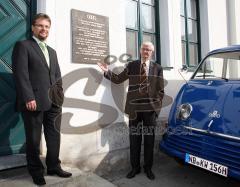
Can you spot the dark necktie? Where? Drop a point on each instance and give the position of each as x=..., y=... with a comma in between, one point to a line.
x=143, y=88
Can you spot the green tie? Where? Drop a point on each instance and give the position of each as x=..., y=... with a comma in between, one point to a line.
x=45, y=51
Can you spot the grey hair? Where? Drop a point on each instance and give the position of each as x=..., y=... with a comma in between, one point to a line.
x=149, y=44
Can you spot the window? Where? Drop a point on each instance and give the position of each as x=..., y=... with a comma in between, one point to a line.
x=190, y=32
x=140, y=25
x=220, y=66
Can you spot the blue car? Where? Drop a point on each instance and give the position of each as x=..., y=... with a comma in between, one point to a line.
x=204, y=121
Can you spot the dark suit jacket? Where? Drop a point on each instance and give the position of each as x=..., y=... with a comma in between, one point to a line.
x=136, y=101
x=33, y=77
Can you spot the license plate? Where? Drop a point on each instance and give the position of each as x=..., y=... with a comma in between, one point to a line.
x=207, y=164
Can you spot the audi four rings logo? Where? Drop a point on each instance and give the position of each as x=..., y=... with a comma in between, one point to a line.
x=214, y=114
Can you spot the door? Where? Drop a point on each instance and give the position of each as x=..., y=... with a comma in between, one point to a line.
x=15, y=17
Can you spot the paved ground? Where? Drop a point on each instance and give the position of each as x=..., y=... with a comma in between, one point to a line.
x=171, y=174
x=19, y=177
x=168, y=174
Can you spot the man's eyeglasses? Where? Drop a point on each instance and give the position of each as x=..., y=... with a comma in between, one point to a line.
x=42, y=26
x=146, y=49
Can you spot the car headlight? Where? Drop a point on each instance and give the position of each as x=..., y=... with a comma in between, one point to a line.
x=184, y=111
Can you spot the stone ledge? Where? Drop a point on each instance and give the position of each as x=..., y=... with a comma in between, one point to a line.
x=11, y=161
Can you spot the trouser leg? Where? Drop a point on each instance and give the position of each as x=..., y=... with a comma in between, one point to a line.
x=52, y=123
x=149, y=123
x=135, y=137
x=33, y=129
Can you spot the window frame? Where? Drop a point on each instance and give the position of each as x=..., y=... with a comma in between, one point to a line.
x=186, y=42
x=140, y=32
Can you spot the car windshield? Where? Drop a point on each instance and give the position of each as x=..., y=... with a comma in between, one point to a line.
x=220, y=66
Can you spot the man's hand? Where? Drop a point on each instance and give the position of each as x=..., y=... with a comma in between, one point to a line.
x=31, y=105
x=103, y=66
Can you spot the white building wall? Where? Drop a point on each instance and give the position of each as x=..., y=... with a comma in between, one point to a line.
x=85, y=137
x=204, y=25
x=217, y=24
x=237, y=19
x=233, y=26
x=87, y=133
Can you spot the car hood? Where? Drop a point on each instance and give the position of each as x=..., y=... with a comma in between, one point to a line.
x=216, y=105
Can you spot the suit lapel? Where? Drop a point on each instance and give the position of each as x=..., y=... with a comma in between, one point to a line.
x=136, y=70
x=151, y=69
x=39, y=52
x=152, y=72
x=50, y=57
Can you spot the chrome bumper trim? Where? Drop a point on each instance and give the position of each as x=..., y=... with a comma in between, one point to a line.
x=213, y=133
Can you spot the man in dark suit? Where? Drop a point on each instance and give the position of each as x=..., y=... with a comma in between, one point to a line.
x=143, y=105
x=36, y=73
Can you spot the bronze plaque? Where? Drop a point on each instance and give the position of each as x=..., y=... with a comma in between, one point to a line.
x=90, y=37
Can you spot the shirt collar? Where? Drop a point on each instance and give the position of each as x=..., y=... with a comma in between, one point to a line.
x=39, y=41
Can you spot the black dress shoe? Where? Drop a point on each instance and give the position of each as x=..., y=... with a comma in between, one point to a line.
x=149, y=174
x=59, y=172
x=133, y=172
x=39, y=180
